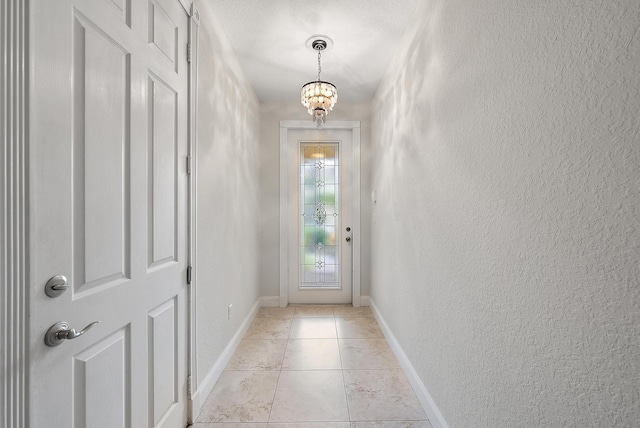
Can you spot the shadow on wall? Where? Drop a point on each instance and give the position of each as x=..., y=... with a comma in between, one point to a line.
x=406, y=132
x=227, y=197
x=506, y=165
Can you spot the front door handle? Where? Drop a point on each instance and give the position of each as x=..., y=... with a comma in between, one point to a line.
x=61, y=331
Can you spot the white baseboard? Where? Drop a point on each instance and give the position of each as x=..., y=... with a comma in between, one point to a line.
x=270, y=301
x=205, y=388
x=274, y=301
x=429, y=406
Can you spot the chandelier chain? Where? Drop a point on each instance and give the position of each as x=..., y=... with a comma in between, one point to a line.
x=319, y=64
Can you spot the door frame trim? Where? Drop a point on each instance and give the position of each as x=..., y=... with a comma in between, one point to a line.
x=285, y=126
x=15, y=282
x=192, y=288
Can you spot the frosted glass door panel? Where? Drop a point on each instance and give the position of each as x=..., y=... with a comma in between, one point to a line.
x=319, y=216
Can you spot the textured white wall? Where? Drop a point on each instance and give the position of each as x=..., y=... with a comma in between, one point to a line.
x=227, y=194
x=506, y=241
x=270, y=116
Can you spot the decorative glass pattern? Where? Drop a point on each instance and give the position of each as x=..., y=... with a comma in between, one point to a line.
x=319, y=219
x=321, y=214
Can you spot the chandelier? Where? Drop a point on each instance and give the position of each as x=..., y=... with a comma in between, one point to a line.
x=319, y=97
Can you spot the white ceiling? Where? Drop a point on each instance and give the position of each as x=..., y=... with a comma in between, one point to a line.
x=268, y=37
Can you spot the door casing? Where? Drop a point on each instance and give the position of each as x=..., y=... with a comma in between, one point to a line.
x=14, y=217
x=285, y=220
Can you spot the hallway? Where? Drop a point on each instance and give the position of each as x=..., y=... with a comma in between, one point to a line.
x=313, y=366
x=143, y=187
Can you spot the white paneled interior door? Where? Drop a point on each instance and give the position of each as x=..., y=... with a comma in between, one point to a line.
x=108, y=183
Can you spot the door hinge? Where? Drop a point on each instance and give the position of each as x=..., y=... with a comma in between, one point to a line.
x=189, y=269
x=188, y=52
x=189, y=387
x=188, y=164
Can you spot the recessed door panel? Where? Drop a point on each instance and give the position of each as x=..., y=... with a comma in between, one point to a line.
x=103, y=401
x=102, y=76
x=122, y=8
x=162, y=172
x=163, y=32
x=163, y=351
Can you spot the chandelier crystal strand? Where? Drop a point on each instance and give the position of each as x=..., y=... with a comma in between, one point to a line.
x=319, y=97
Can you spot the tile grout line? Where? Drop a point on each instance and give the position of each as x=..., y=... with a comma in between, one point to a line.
x=273, y=401
x=344, y=381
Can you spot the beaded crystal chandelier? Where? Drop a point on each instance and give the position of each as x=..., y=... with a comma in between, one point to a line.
x=319, y=97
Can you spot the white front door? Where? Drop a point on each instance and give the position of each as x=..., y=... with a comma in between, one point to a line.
x=108, y=184
x=320, y=209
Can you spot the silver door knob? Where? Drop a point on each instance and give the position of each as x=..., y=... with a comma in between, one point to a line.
x=61, y=331
x=348, y=239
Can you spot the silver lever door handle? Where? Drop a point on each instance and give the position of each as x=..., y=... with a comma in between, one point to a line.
x=61, y=331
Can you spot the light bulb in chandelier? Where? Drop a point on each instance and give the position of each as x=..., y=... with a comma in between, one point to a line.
x=319, y=96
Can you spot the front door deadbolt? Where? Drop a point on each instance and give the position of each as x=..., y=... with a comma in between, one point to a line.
x=56, y=286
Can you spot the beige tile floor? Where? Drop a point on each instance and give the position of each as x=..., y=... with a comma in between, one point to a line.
x=313, y=367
